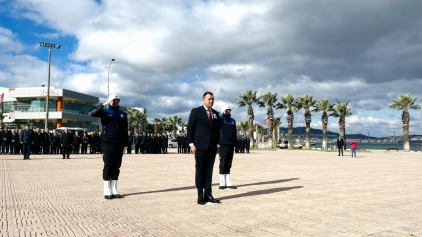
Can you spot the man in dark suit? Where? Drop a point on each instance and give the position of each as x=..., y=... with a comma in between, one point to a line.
x=203, y=139
x=66, y=141
x=340, y=145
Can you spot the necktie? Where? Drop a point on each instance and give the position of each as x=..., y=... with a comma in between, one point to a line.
x=209, y=116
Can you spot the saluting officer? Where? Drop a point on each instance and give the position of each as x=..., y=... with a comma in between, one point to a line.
x=114, y=138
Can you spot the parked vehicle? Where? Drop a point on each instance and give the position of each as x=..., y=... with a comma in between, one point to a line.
x=172, y=143
x=283, y=144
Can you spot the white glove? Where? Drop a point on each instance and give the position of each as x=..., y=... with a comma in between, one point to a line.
x=107, y=102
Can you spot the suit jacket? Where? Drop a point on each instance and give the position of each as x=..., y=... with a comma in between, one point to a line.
x=200, y=133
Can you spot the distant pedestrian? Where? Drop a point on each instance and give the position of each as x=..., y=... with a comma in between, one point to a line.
x=353, y=146
x=340, y=145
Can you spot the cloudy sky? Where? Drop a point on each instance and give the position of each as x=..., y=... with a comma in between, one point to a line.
x=169, y=52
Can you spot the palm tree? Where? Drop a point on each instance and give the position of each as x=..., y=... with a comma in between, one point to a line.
x=269, y=100
x=248, y=98
x=276, y=130
x=174, y=121
x=130, y=112
x=288, y=102
x=405, y=102
x=139, y=119
x=163, y=124
x=323, y=106
x=307, y=103
x=341, y=111
x=243, y=126
x=155, y=121
x=183, y=125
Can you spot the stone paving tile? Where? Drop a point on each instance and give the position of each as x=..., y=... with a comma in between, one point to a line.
x=280, y=193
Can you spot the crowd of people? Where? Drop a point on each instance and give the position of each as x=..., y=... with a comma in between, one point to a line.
x=45, y=142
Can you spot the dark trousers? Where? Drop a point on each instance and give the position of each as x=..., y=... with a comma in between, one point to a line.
x=84, y=148
x=137, y=146
x=5, y=148
x=226, y=158
x=76, y=148
x=14, y=148
x=164, y=150
x=46, y=148
x=340, y=149
x=204, y=164
x=129, y=149
x=26, y=150
x=92, y=148
x=112, y=158
x=143, y=148
x=179, y=148
x=66, y=151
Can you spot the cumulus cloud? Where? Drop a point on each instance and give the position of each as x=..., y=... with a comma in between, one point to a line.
x=169, y=52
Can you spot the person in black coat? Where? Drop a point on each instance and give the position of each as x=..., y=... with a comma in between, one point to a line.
x=129, y=143
x=14, y=142
x=77, y=140
x=46, y=142
x=137, y=142
x=6, y=137
x=84, y=143
x=55, y=142
x=165, y=143
x=66, y=142
x=340, y=145
x=26, y=139
x=179, y=144
x=203, y=138
x=144, y=142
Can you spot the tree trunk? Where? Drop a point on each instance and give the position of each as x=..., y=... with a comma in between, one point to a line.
x=406, y=122
x=290, y=119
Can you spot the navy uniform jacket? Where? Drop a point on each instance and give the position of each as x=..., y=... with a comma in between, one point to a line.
x=200, y=133
x=114, y=123
x=26, y=136
x=228, y=134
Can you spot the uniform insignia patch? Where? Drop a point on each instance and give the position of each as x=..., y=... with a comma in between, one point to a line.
x=121, y=115
x=110, y=114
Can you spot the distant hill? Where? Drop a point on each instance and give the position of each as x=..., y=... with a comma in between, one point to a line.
x=317, y=133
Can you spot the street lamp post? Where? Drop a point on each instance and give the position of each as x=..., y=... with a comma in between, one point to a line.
x=49, y=46
x=344, y=117
x=108, y=77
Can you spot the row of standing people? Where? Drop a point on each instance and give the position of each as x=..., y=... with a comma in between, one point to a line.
x=147, y=143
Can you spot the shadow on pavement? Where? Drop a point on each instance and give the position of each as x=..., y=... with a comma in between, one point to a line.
x=215, y=184
x=260, y=192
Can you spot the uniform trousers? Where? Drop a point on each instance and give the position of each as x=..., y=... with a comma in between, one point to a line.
x=26, y=150
x=112, y=157
x=204, y=164
x=226, y=158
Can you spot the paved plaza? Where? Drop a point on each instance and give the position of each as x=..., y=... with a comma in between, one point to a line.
x=280, y=193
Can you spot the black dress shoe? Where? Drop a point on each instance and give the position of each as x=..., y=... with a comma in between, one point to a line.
x=222, y=187
x=201, y=201
x=63, y=158
x=117, y=196
x=212, y=199
x=232, y=187
x=107, y=196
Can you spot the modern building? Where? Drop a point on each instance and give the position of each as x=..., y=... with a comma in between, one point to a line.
x=66, y=108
